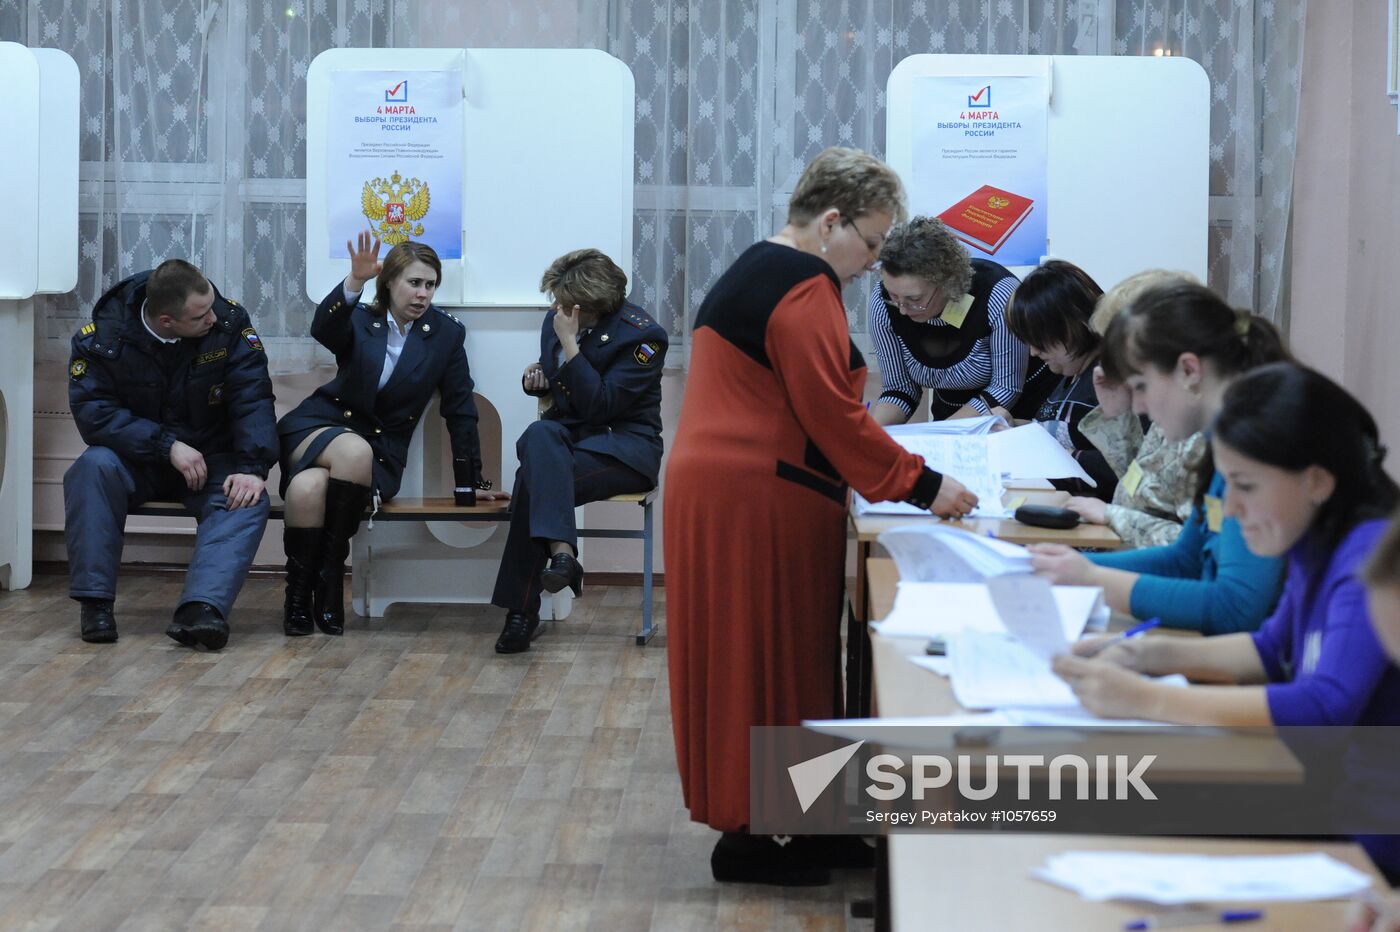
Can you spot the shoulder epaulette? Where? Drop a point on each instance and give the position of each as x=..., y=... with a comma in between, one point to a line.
x=636, y=318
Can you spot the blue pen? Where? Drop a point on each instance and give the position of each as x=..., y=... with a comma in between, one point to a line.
x=1134, y=631
x=1137, y=629
x=1199, y=917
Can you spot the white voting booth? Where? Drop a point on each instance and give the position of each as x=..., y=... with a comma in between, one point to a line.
x=1127, y=155
x=548, y=142
x=39, y=242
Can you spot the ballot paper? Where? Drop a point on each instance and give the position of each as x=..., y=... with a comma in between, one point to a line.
x=937, y=609
x=995, y=671
x=967, y=459
x=1174, y=879
x=1030, y=452
x=928, y=552
x=1027, y=606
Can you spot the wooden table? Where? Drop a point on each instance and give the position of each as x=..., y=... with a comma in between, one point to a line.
x=869, y=527
x=972, y=881
x=983, y=881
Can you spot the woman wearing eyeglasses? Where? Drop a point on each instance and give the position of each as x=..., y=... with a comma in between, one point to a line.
x=772, y=434
x=938, y=322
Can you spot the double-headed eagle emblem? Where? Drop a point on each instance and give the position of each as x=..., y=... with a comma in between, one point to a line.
x=994, y=202
x=395, y=205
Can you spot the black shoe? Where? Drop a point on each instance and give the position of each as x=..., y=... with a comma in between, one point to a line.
x=97, y=624
x=563, y=570
x=521, y=628
x=198, y=624
x=764, y=859
x=301, y=544
x=838, y=852
x=345, y=506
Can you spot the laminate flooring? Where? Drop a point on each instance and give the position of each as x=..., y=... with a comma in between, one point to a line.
x=401, y=777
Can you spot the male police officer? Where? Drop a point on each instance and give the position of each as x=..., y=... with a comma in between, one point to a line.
x=600, y=372
x=169, y=387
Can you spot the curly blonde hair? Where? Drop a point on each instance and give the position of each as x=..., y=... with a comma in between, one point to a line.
x=854, y=182
x=925, y=247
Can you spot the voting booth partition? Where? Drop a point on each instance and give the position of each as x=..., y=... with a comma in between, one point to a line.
x=547, y=153
x=39, y=240
x=1127, y=154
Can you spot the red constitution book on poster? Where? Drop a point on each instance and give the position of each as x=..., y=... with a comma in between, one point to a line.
x=987, y=217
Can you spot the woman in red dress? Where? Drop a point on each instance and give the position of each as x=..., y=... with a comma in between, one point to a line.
x=772, y=431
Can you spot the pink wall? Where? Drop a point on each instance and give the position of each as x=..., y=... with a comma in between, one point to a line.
x=1346, y=211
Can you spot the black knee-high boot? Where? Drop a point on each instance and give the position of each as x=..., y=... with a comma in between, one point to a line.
x=345, y=506
x=303, y=546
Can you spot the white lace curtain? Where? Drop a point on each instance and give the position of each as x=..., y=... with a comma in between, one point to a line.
x=193, y=135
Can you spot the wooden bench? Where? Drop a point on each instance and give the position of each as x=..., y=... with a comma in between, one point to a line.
x=444, y=509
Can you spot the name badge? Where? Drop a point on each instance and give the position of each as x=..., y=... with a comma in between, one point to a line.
x=955, y=312
x=1215, y=513
x=1132, y=478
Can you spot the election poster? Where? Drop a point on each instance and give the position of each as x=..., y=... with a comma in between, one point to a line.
x=394, y=158
x=980, y=161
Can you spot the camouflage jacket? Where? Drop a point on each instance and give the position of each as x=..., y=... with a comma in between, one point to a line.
x=1151, y=513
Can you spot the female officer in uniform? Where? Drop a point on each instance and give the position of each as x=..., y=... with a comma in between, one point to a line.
x=349, y=440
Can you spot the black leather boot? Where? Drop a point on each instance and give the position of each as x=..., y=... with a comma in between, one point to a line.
x=303, y=560
x=345, y=506
x=198, y=624
x=97, y=624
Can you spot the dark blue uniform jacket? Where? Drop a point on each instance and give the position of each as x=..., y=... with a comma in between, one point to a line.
x=434, y=358
x=609, y=395
x=137, y=396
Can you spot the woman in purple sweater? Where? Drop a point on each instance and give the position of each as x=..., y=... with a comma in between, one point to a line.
x=1301, y=460
x=1302, y=465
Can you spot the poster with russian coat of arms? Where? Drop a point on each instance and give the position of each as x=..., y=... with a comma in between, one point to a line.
x=394, y=159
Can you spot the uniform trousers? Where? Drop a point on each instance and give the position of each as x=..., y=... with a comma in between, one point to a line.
x=554, y=478
x=101, y=487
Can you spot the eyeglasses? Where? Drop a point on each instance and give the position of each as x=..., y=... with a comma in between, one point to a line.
x=907, y=304
x=873, y=245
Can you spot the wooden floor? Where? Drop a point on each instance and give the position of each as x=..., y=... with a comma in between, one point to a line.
x=401, y=777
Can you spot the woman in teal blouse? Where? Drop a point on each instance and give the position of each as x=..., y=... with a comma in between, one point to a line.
x=1178, y=347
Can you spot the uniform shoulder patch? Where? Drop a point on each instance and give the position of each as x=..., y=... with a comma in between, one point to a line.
x=636, y=320
x=645, y=353
x=251, y=336
x=88, y=328
x=78, y=369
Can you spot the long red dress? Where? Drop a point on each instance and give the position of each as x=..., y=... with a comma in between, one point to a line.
x=771, y=430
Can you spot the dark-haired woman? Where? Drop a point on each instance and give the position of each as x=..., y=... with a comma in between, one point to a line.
x=349, y=440
x=938, y=321
x=1178, y=347
x=1049, y=312
x=1302, y=462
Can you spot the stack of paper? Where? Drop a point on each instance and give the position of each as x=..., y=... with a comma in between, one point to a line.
x=1184, y=878
x=966, y=458
x=1030, y=452
x=928, y=610
x=967, y=426
x=940, y=553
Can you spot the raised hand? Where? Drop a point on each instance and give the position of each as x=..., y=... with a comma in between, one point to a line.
x=364, y=260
